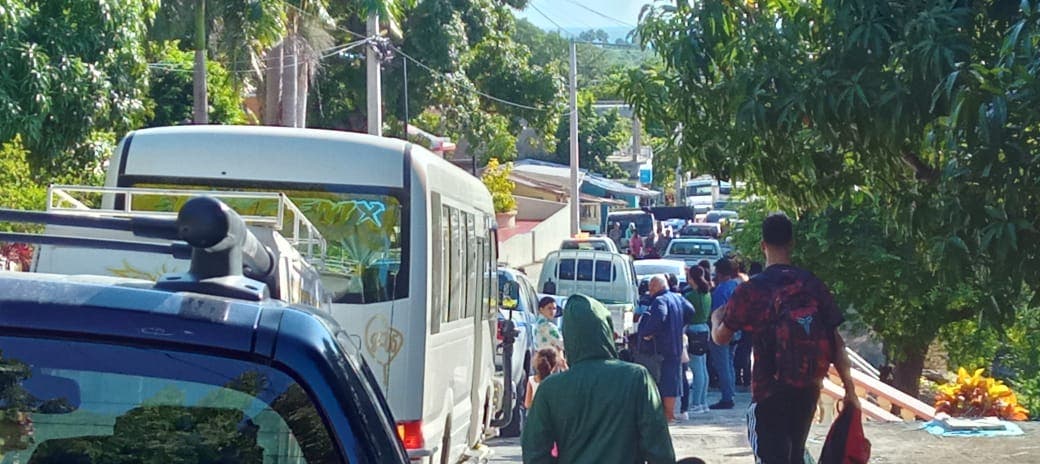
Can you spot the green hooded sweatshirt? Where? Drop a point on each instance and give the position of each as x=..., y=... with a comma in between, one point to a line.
x=602, y=410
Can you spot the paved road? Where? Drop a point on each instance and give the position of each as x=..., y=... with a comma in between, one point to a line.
x=719, y=438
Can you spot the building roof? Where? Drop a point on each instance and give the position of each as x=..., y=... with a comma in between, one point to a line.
x=560, y=174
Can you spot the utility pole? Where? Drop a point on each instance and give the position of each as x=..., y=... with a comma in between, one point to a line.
x=375, y=97
x=680, y=198
x=200, y=107
x=575, y=188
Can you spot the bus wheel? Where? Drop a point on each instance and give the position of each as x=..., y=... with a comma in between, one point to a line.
x=446, y=443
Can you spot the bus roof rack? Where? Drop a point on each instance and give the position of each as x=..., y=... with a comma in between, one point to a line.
x=271, y=210
x=226, y=258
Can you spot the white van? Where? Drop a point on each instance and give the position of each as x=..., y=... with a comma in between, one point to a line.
x=606, y=276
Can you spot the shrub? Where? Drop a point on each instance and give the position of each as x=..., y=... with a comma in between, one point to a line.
x=496, y=179
x=978, y=396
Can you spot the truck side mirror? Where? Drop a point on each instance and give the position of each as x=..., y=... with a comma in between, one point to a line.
x=510, y=295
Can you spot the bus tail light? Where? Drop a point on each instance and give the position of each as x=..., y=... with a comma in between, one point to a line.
x=411, y=434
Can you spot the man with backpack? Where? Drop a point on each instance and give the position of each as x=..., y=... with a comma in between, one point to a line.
x=794, y=322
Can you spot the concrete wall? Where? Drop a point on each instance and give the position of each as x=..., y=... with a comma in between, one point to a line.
x=536, y=209
x=532, y=246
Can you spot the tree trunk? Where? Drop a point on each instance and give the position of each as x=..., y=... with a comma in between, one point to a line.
x=289, y=71
x=302, y=86
x=200, y=105
x=273, y=86
x=907, y=372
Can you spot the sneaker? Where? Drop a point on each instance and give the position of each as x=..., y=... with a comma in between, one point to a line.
x=699, y=409
x=682, y=416
x=722, y=405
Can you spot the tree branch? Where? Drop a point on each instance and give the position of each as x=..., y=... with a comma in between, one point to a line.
x=922, y=171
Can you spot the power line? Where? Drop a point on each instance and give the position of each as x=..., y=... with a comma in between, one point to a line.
x=326, y=53
x=600, y=14
x=478, y=92
x=558, y=26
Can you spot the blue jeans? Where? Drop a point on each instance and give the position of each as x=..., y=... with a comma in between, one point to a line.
x=699, y=366
x=722, y=363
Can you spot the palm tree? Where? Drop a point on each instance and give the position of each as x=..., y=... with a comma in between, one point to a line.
x=239, y=31
x=293, y=63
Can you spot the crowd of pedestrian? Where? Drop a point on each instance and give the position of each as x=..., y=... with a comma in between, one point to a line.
x=780, y=315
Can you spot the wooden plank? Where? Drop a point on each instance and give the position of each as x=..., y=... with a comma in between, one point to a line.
x=870, y=410
x=906, y=403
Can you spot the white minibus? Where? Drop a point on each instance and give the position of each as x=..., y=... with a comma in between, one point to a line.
x=410, y=260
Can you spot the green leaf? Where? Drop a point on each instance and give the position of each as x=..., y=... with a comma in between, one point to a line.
x=996, y=213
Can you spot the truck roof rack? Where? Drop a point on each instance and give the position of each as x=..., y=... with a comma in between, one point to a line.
x=226, y=258
x=272, y=210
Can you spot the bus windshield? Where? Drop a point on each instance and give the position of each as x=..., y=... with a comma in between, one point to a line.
x=363, y=231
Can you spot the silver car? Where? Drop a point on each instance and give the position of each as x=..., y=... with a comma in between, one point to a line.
x=693, y=250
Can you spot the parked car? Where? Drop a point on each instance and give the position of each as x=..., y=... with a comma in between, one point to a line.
x=701, y=229
x=646, y=268
x=720, y=215
x=600, y=243
x=693, y=250
x=606, y=276
x=199, y=366
x=519, y=304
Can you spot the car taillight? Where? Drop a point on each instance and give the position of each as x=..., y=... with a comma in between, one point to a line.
x=411, y=434
x=498, y=333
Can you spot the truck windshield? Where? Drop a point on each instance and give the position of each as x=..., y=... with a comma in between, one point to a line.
x=64, y=401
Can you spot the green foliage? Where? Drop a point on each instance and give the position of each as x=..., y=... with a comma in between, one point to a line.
x=927, y=107
x=239, y=32
x=467, y=44
x=882, y=279
x=19, y=188
x=599, y=136
x=70, y=70
x=1009, y=353
x=171, y=89
x=496, y=179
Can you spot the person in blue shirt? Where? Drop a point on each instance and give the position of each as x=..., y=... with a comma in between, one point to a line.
x=722, y=355
x=662, y=325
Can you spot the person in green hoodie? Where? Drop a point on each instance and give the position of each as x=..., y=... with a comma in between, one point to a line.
x=602, y=410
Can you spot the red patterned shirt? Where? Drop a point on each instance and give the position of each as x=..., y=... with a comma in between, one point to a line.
x=754, y=308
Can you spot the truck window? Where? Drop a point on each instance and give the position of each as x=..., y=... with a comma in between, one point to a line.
x=82, y=402
x=566, y=271
x=585, y=269
x=605, y=271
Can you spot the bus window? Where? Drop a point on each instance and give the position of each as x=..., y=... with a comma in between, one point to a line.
x=363, y=232
x=458, y=268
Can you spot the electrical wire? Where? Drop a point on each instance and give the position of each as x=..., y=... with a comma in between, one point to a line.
x=558, y=26
x=482, y=94
x=328, y=52
x=600, y=14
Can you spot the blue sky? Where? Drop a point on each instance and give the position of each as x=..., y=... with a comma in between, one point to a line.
x=571, y=16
